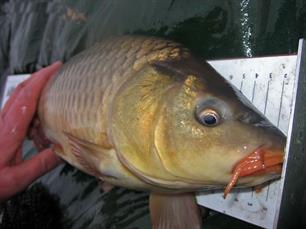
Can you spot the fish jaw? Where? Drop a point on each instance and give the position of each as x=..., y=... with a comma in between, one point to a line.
x=260, y=162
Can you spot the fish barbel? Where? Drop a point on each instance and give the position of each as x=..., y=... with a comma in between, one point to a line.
x=143, y=113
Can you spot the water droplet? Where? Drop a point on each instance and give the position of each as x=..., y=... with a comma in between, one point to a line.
x=14, y=130
x=23, y=109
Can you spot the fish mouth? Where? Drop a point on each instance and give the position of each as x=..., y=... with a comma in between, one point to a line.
x=260, y=161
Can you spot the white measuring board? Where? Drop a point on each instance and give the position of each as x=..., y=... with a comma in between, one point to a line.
x=11, y=83
x=268, y=82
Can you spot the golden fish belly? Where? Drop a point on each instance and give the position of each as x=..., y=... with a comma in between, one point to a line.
x=77, y=102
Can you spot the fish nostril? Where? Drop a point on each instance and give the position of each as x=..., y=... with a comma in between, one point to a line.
x=271, y=132
x=264, y=123
x=255, y=120
x=250, y=119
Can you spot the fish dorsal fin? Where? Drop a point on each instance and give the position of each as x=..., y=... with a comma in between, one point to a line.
x=89, y=156
x=177, y=211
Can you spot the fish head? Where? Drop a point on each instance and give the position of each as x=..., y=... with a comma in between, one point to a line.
x=181, y=126
x=207, y=132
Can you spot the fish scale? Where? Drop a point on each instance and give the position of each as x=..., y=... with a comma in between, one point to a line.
x=109, y=65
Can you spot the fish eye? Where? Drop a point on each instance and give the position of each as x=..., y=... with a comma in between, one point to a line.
x=209, y=117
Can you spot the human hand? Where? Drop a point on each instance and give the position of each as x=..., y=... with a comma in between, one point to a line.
x=15, y=117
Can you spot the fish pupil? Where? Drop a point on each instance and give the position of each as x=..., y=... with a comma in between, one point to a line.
x=209, y=120
x=208, y=117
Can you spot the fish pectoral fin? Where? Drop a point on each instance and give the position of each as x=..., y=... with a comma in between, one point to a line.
x=179, y=211
x=89, y=156
x=105, y=186
x=84, y=146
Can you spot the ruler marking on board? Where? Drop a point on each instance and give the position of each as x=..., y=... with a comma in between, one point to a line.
x=267, y=95
x=267, y=196
x=253, y=92
x=281, y=103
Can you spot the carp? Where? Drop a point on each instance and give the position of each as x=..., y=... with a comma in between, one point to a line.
x=143, y=113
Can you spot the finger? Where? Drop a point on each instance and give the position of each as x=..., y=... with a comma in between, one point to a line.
x=37, y=135
x=52, y=68
x=18, y=156
x=17, y=178
x=17, y=159
x=20, y=112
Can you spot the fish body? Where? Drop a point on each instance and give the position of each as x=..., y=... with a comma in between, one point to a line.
x=143, y=113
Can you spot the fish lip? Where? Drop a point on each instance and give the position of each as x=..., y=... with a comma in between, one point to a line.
x=262, y=160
